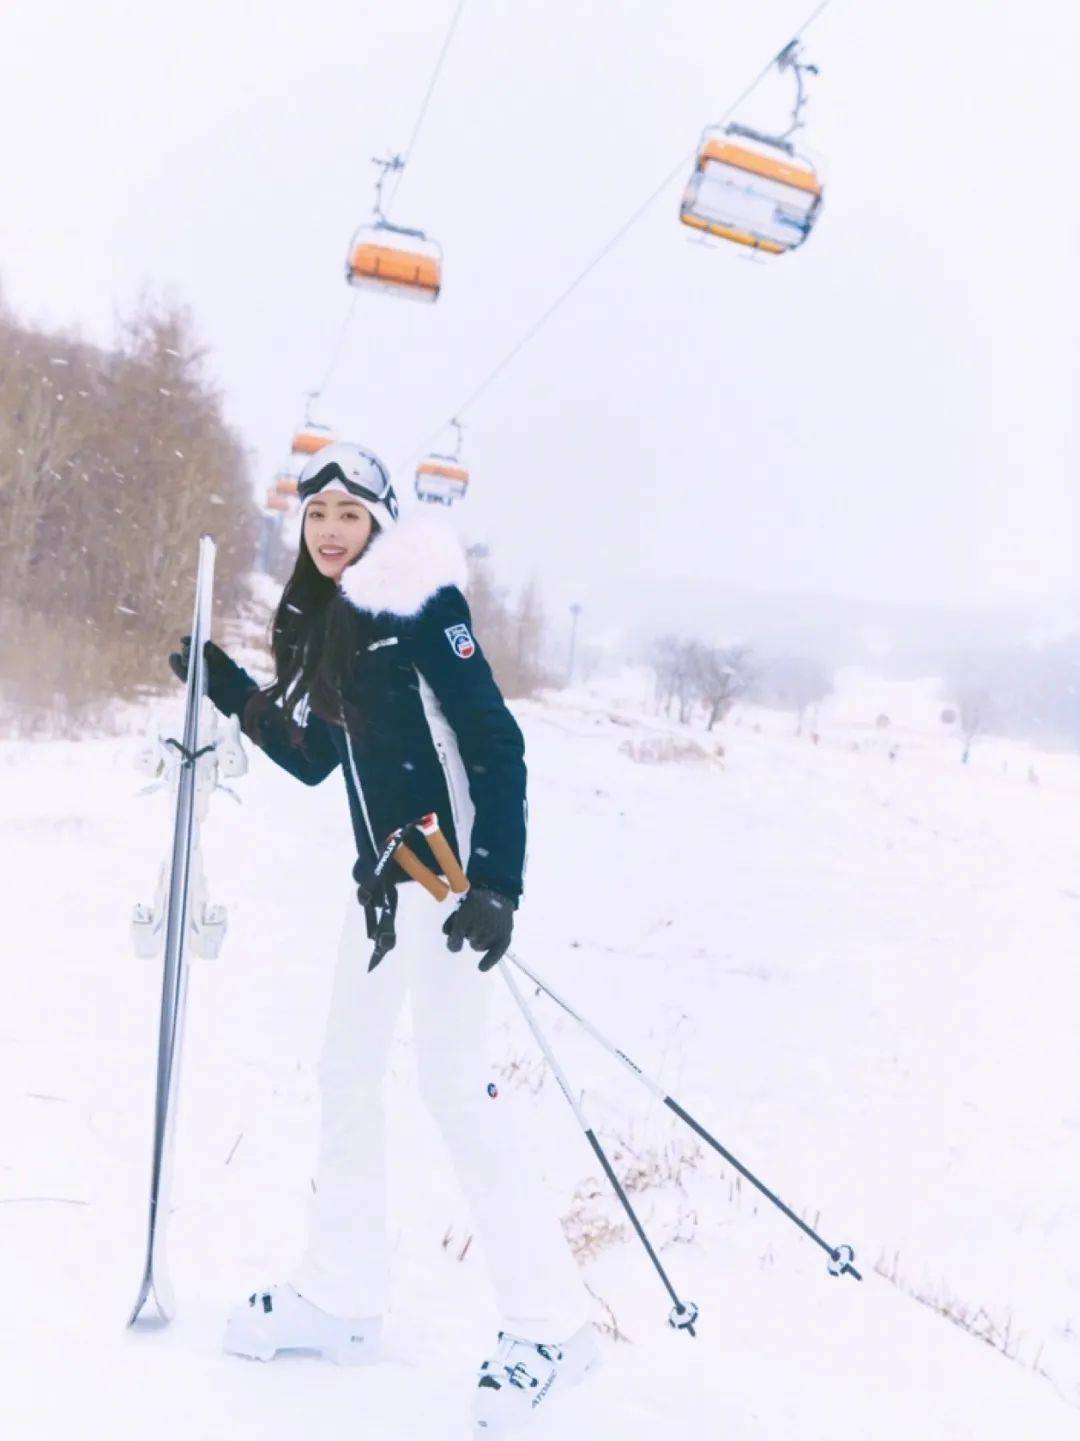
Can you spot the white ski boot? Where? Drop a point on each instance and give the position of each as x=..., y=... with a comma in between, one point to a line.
x=522, y=1376
x=280, y=1319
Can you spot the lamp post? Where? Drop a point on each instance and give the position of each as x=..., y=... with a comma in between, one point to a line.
x=575, y=612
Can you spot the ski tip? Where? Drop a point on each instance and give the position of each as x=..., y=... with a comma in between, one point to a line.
x=149, y=1313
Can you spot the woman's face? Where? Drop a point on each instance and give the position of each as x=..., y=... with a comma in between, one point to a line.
x=336, y=529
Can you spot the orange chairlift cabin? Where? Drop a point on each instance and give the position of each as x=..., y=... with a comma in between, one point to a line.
x=755, y=189
x=440, y=478
x=311, y=437
x=274, y=501
x=392, y=258
x=286, y=483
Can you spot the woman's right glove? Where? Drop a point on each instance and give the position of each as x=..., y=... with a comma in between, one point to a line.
x=485, y=919
x=226, y=681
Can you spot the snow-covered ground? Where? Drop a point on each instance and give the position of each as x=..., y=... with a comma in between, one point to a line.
x=859, y=972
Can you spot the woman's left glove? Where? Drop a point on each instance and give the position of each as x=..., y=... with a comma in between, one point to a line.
x=224, y=678
x=486, y=920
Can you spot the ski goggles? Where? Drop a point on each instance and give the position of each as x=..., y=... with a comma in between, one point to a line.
x=366, y=478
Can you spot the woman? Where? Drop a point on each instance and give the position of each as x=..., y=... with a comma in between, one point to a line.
x=377, y=671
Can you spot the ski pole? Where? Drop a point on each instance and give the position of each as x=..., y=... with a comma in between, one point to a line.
x=397, y=849
x=840, y=1257
x=441, y=849
x=683, y=1315
x=413, y=866
x=380, y=902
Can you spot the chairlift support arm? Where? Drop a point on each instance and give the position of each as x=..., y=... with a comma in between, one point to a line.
x=788, y=59
x=387, y=165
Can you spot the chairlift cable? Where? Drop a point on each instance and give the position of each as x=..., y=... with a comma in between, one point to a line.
x=421, y=115
x=338, y=347
x=407, y=154
x=602, y=254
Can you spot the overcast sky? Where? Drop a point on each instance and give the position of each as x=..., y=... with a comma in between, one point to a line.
x=883, y=415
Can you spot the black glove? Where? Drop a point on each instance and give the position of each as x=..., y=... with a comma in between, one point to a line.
x=221, y=670
x=485, y=919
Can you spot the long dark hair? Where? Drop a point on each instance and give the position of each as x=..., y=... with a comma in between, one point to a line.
x=315, y=637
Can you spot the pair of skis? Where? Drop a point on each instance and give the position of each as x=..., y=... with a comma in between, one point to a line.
x=180, y=917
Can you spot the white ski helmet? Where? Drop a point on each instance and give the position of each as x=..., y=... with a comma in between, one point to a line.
x=351, y=468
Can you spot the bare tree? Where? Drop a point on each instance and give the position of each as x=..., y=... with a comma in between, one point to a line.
x=688, y=673
x=974, y=702
x=792, y=683
x=673, y=662
x=513, y=632
x=720, y=676
x=529, y=632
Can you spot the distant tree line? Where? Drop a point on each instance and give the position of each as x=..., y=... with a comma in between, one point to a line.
x=1029, y=692
x=112, y=462
x=697, y=680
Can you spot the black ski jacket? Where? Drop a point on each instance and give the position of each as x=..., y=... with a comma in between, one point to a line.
x=436, y=734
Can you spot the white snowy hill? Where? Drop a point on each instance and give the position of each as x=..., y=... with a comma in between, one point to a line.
x=859, y=971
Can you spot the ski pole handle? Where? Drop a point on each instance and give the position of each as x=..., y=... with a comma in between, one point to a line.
x=443, y=853
x=413, y=866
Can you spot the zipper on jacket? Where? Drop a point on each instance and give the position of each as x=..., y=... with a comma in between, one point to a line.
x=440, y=751
x=359, y=789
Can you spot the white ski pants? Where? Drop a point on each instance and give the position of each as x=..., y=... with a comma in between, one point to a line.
x=538, y=1288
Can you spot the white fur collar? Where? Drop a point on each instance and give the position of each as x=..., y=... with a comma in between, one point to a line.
x=404, y=566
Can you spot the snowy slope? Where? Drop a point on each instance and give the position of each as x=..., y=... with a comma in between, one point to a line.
x=859, y=972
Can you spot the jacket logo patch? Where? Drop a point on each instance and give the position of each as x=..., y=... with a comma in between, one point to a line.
x=461, y=642
x=387, y=640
